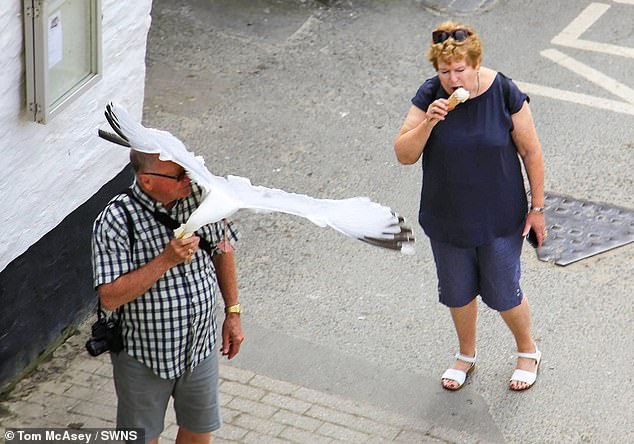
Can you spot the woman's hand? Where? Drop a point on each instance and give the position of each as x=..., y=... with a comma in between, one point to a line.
x=537, y=222
x=413, y=136
x=437, y=110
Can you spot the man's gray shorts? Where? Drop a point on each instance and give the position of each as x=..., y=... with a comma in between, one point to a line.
x=143, y=396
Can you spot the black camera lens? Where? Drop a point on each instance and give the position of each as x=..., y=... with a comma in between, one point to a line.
x=96, y=347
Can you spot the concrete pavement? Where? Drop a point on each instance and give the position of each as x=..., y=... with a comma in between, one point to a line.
x=309, y=101
x=279, y=389
x=75, y=390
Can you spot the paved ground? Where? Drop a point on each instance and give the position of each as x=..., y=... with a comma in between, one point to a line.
x=75, y=390
x=309, y=98
x=333, y=398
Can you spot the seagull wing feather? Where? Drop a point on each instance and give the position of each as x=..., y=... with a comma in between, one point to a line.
x=357, y=217
x=154, y=141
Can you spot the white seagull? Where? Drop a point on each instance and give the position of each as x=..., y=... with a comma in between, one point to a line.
x=357, y=217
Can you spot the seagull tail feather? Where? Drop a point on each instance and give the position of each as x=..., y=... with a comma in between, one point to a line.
x=396, y=241
x=114, y=138
x=111, y=117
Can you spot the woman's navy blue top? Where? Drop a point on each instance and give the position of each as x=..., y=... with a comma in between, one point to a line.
x=473, y=189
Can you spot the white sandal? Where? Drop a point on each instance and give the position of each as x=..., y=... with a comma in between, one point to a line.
x=459, y=376
x=526, y=376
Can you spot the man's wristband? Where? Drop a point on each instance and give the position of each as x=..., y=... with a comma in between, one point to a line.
x=236, y=308
x=539, y=210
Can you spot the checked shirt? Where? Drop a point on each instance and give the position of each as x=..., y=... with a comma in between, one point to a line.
x=172, y=327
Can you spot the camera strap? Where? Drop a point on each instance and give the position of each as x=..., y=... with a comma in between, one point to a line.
x=163, y=219
x=128, y=219
x=160, y=217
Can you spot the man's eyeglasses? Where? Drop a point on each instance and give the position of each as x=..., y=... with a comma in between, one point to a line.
x=459, y=35
x=178, y=178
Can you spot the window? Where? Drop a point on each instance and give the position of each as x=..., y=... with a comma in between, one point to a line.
x=63, y=53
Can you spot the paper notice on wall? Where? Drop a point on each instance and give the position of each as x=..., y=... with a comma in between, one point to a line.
x=55, y=39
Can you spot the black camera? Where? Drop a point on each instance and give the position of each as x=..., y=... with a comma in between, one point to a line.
x=106, y=336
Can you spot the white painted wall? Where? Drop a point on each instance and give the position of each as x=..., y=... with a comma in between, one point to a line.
x=49, y=170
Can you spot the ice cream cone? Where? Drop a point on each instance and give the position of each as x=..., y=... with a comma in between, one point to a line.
x=460, y=95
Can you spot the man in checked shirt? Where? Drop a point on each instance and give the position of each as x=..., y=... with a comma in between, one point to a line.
x=164, y=292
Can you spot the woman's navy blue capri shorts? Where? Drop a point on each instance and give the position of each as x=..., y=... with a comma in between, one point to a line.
x=491, y=271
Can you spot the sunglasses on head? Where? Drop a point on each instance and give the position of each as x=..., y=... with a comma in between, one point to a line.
x=459, y=35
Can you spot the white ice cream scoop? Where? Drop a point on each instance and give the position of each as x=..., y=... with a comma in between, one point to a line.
x=459, y=95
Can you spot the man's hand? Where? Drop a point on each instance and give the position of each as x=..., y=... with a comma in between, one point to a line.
x=180, y=250
x=232, y=335
x=131, y=285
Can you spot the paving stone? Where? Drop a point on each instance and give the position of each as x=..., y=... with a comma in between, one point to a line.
x=225, y=398
x=230, y=432
x=104, y=369
x=302, y=436
x=55, y=387
x=397, y=420
x=84, y=393
x=27, y=410
x=229, y=414
x=217, y=440
x=95, y=423
x=90, y=380
x=88, y=364
x=354, y=422
x=263, y=426
x=314, y=396
x=273, y=385
x=235, y=374
x=340, y=433
x=298, y=421
x=361, y=409
x=108, y=387
x=286, y=402
x=62, y=418
x=341, y=404
x=89, y=408
x=258, y=438
x=255, y=408
x=245, y=391
x=46, y=399
x=31, y=423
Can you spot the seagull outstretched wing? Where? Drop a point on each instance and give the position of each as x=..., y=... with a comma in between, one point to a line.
x=357, y=217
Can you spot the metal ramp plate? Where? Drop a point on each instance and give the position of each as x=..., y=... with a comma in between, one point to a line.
x=578, y=229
